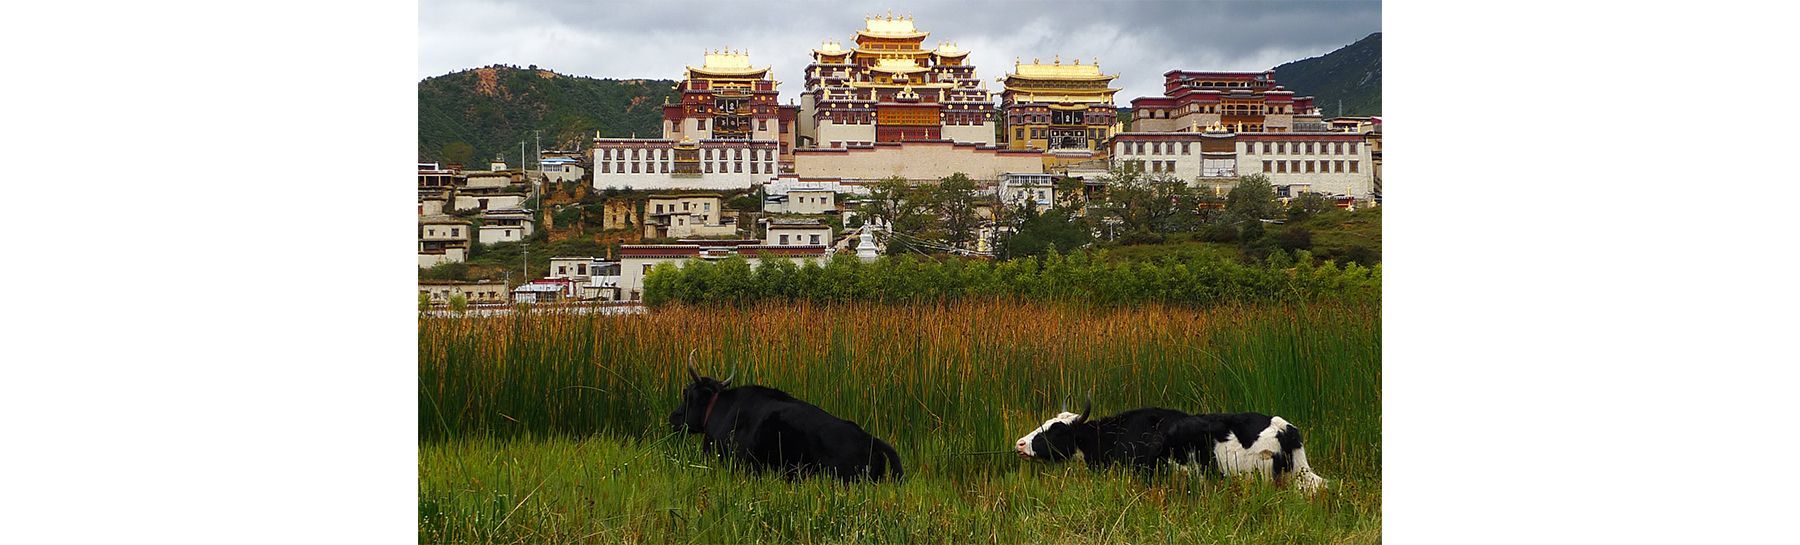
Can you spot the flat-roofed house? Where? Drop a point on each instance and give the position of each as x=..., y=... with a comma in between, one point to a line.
x=797, y=232
x=505, y=226
x=688, y=215
x=443, y=239
x=475, y=292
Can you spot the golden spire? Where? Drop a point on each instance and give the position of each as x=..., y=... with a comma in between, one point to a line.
x=1059, y=59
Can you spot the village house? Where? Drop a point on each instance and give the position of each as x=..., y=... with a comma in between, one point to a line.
x=1017, y=189
x=443, y=239
x=474, y=292
x=799, y=200
x=595, y=278
x=796, y=232
x=544, y=290
x=505, y=226
x=561, y=167
x=688, y=215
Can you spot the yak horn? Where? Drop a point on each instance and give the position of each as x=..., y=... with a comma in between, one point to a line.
x=691, y=372
x=727, y=380
x=1086, y=409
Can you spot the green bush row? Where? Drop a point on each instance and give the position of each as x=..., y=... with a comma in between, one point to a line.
x=1079, y=277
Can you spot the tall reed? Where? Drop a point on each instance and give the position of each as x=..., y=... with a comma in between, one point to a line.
x=934, y=379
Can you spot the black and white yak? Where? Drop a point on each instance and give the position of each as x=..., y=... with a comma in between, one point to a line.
x=1228, y=443
x=767, y=429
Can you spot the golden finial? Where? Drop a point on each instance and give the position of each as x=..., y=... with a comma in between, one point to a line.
x=1034, y=60
x=1077, y=61
x=1058, y=59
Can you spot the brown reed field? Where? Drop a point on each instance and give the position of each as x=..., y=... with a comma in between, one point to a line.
x=552, y=427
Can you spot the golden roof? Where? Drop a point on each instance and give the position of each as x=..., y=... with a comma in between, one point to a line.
x=1058, y=70
x=890, y=27
x=831, y=47
x=947, y=49
x=728, y=63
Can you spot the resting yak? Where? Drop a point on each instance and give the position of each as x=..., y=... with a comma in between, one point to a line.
x=1227, y=443
x=767, y=429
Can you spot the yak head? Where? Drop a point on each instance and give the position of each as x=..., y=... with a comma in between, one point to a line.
x=1054, y=441
x=691, y=412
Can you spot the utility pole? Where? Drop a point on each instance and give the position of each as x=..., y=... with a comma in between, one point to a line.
x=538, y=143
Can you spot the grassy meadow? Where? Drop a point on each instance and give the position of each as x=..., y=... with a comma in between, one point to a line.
x=545, y=427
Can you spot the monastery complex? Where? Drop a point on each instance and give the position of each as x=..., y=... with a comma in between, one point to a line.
x=886, y=105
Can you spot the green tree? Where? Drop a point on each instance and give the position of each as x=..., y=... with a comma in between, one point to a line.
x=457, y=152
x=1157, y=203
x=906, y=209
x=1307, y=205
x=1037, y=233
x=459, y=302
x=956, y=200
x=1251, y=199
x=424, y=301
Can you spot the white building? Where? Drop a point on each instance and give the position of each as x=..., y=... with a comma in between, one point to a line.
x=483, y=291
x=1329, y=162
x=688, y=215
x=561, y=169
x=443, y=239
x=797, y=200
x=660, y=164
x=796, y=232
x=1037, y=190
x=505, y=226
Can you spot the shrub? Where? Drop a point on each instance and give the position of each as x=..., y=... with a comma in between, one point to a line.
x=1194, y=278
x=1219, y=232
x=1295, y=238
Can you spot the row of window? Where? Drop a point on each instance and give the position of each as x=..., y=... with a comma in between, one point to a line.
x=1225, y=109
x=1294, y=167
x=1250, y=148
x=685, y=206
x=784, y=240
x=606, y=154
x=1299, y=148
x=653, y=167
x=1155, y=148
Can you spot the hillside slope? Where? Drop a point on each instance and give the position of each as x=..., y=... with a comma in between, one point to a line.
x=1350, y=76
x=493, y=108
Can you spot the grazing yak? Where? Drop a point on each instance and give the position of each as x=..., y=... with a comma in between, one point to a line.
x=769, y=429
x=1229, y=443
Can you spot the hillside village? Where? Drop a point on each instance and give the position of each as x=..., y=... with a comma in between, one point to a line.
x=905, y=151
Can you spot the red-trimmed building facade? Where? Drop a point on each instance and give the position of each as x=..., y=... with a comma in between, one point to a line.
x=1240, y=101
x=726, y=132
x=889, y=88
x=1330, y=162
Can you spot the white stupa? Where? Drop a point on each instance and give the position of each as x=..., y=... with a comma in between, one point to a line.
x=865, y=250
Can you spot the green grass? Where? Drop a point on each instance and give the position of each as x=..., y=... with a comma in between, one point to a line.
x=552, y=428
x=663, y=490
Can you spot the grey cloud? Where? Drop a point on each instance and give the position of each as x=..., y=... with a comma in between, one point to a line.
x=1136, y=39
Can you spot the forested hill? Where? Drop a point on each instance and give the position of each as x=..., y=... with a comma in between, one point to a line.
x=476, y=114
x=1352, y=74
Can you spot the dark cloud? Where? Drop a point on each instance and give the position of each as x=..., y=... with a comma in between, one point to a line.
x=1136, y=39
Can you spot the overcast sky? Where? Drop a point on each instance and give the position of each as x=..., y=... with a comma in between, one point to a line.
x=1136, y=39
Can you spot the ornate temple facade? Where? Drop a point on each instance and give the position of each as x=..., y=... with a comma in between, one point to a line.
x=1059, y=107
x=727, y=132
x=889, y=88
x=726, y=99
x=1241, y=101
